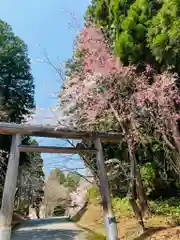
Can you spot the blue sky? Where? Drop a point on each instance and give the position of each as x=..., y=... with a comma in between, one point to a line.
x=51, y=25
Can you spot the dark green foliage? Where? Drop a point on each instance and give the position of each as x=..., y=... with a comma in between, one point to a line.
x=60, y=175
x=16, y=86
x=130, y=43
x=16, y=81
x=163, y=34
x=141, y=31
x=36, y=162
x=169, y=207
x=59, y=211
x=71, y=180
x=155, y=160
x=73, y=65
x=30, y=181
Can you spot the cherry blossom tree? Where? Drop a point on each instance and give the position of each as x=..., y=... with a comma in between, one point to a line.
x=107, y=96
x=94, y=97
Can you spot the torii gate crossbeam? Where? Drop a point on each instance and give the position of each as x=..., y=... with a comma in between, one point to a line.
x=19, y=130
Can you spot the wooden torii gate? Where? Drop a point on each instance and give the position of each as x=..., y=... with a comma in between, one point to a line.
x=19, y=130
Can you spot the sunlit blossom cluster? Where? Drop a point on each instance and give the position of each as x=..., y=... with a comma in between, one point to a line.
x=104, y=82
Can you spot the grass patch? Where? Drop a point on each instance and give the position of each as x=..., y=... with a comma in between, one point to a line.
x=169, y=207
x=165, y=213
x=95, y=236
x=163, y=222
x=93, y=195
x=121, y=207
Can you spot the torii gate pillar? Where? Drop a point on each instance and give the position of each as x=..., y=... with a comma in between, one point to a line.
x=8, y=198
x=109, y=219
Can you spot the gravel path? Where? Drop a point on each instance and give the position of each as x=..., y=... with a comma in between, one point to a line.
x=51, y=228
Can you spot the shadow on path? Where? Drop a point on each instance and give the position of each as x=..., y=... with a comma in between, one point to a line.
x=46, y=234
x=150, y=231
x=43, y=222
x=56, y=228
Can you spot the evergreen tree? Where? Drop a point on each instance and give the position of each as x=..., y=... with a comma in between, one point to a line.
x=140, y=31
x=30, y=180
x=16, y=81
x=163, y=35
x=16, y=85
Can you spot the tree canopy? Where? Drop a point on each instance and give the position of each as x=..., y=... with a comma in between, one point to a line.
x=16, y=81
x=128, y=82
x=70, y=181
x=16, y=89
x=140, y=31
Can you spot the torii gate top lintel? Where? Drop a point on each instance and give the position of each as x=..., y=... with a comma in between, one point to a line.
x=54, y=131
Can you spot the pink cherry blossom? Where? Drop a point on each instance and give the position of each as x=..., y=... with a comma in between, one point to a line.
x=104, y=83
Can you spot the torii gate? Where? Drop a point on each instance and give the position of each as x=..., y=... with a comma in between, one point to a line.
x=19, y=130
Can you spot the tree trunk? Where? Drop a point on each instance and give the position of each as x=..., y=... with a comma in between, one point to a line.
x=141, y=194
x=46, y=207
x=175, y=133
x=28, y=200
x=133, y=189
x=9, y=190
x=136, y=186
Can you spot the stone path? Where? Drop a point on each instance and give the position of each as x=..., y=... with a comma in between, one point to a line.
x=47, y=229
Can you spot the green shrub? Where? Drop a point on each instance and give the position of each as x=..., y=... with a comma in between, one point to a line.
x=59, y=211
x=169, y=207
x=122, y=207
x=148, y=174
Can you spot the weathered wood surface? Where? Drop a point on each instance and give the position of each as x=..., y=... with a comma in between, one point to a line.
x=9, y=191
x=109, y=219
x=48, y=149
x=55, y=132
